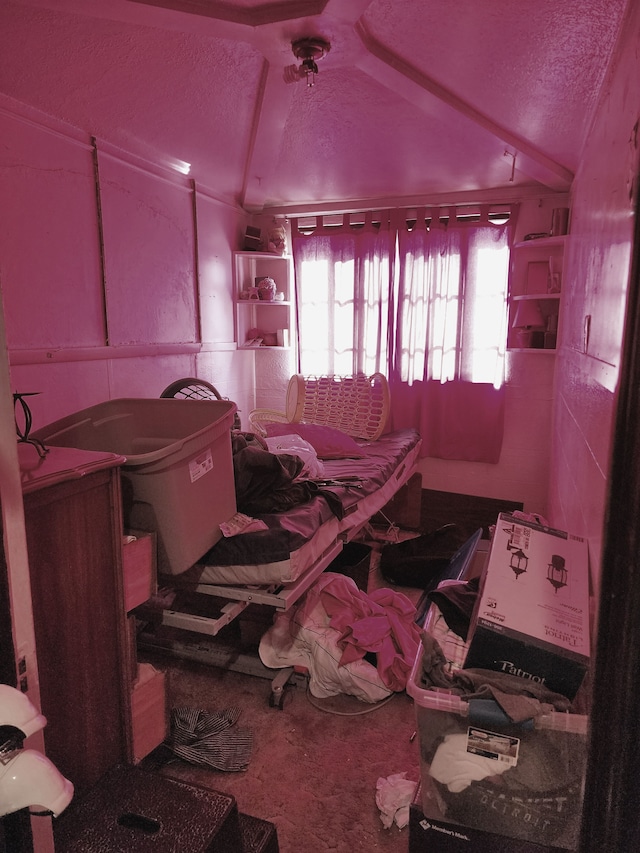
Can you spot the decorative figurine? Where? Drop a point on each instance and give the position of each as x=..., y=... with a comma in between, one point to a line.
x=267, y=289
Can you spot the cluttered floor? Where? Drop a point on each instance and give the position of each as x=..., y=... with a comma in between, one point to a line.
x=331, y=774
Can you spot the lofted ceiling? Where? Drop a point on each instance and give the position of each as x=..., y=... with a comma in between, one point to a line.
x=417, y=101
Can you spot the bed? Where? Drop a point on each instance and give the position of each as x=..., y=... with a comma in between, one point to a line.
x=277, y=565
x=298, y=538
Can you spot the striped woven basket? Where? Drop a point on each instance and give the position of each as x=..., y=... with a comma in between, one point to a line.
x=358, y=405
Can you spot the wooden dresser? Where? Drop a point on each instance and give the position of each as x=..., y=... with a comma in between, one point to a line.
x=73, y=519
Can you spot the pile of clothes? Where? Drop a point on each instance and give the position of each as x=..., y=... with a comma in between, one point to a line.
x=353, y=642
x=503, y=768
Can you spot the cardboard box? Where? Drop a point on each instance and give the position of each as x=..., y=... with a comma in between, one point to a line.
x=139, y=568
x=532, y=614
x=148, y=711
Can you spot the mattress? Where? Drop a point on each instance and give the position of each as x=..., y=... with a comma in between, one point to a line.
x=299, y=538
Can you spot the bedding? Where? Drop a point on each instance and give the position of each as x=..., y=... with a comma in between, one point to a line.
x=332, y=628
x=328, y=442
x=350, y=493
x=313, y=466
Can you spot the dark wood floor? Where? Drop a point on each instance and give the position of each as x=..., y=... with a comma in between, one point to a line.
x=467, y=512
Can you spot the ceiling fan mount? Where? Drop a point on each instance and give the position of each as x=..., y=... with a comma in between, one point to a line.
x=309, y=51
x=310, y=48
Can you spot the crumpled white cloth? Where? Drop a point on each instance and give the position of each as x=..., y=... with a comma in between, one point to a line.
x=297, y=446
x=393, y=797
x=456, y=768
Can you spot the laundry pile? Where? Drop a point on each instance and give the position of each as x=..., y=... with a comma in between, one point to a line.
x=511, y=764
x=351, y=642
x=520, y=699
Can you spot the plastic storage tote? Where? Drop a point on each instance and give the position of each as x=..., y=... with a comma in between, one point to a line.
x=177, y=480
x=481, y=773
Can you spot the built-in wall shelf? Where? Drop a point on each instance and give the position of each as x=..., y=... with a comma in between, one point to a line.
x=543, y=242
x=263, y=323
x=535, y=295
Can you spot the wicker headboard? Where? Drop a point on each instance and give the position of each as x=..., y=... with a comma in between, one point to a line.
x=357, y=405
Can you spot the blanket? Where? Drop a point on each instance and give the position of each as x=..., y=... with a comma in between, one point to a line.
x=381, y=622
x=334, y=630
x=270, y=482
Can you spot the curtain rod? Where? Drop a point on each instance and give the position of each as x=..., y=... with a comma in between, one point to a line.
x=360, y=219
x=502, y=196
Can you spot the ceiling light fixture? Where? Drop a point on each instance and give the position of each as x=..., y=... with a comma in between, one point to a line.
x=309, y=51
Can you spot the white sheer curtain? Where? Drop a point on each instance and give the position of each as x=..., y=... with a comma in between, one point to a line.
x=452, y=300
x=423, y=301
x=344, y=276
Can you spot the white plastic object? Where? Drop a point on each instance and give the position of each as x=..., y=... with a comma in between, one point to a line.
x=30, y=780
x=296, y=446
x=17, y=710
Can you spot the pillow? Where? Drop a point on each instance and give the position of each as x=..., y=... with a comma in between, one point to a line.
x=328, y=442
x=297, y=446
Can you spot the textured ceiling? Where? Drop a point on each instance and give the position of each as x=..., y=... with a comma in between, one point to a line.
x=416, y=100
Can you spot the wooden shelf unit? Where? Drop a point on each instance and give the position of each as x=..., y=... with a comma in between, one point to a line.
x=535, y=294
x=274, y=319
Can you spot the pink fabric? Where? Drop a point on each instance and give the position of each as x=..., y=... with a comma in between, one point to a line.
x=328, y=442
x=457, y=420
x=302, y=636
x=447, y=377
x=380, y=622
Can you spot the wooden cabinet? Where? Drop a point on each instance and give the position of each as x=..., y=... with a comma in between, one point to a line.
x=73, y=521
x=263, y=323
x=534, y=300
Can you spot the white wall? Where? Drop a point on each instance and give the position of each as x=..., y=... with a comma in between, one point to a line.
x=114, y=283
x=522, y=473
x=597, y=277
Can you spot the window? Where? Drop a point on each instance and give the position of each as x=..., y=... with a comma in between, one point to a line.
x=424, y=301
x=343, y=289
x=452, y=303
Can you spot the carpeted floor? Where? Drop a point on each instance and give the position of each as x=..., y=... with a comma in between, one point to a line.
x=316, y=763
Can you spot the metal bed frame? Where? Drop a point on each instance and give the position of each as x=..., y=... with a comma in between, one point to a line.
x=207, y=648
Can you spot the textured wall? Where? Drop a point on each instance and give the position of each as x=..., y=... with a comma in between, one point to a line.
x=112, y=288
x=595, y=287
